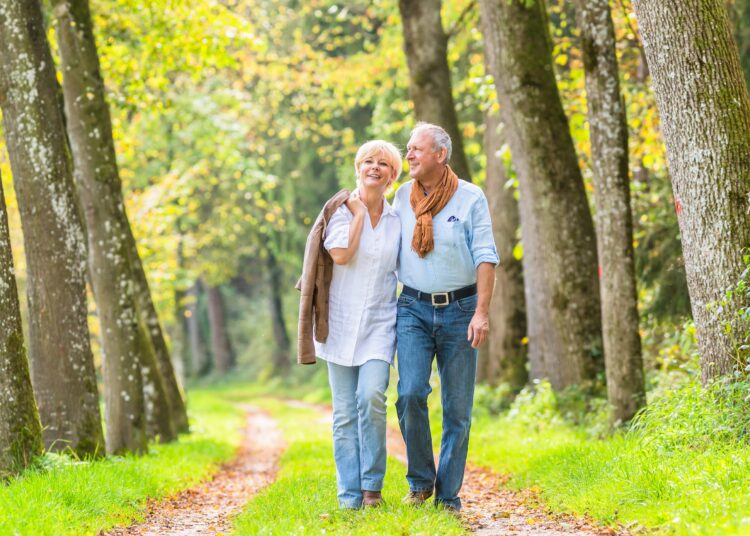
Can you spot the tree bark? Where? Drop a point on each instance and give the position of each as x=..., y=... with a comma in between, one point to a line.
x=282, y=351
x=220, y=344
x=150, y=319
x=95, y=153
x=614, y=222
x=159, y=425
x=20, y=429
x=507, y=353
x=561, y=287
x=199, y=361
x=62, y=365
x=179, y=337
x=705, y=115
x=426, y=47
x=132, y=382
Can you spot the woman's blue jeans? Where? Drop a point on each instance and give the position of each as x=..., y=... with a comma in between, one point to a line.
x=359, y=428
x=424, y=332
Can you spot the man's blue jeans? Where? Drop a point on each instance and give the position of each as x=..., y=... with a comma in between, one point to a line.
x=359, y=428
x=424, y=332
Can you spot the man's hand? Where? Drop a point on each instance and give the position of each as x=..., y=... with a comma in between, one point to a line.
x=479, y=329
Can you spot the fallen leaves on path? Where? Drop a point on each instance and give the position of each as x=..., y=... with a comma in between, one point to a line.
x=209, y=507
x=490, y=508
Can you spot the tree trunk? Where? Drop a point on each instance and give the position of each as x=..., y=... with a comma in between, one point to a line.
x=90, y=130
x=614, y=222
x=507, y=353
x=220, y=343
x=62, y=365
x=561, y=287
x=199, y=361
x=179, y=337
x=426, y=47
x=20, y=429
x=159, y=425
x=281, y=354
x=132, y=384
x=150, y=318
x=705, y=115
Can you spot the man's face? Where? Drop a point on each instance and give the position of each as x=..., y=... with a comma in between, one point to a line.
x=422, y=157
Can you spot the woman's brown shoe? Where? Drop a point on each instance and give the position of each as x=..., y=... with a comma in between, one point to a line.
x=371, y=498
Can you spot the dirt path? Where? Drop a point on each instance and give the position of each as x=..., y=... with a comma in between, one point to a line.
x=209, y=507
x=490, y=508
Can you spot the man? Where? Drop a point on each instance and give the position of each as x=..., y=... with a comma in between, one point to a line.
x=447, y=265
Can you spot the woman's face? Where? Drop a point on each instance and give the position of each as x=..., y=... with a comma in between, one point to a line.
x=376, y=172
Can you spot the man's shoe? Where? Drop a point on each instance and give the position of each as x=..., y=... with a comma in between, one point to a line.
x=371, y=498
x=415, y=498
x=455, y=510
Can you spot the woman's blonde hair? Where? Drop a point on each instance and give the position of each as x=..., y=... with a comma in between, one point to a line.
x=380, y=147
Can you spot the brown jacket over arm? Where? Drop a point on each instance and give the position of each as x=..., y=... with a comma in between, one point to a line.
x=317, y=271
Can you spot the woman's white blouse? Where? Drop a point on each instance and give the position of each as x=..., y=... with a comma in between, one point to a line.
x=362, y=298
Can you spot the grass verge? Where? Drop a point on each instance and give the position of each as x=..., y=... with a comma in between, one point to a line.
x=62, y=496
x=303, y=498
x=679, y=470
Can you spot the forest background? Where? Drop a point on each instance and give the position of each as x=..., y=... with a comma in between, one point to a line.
x=231, y=135
x=234, y=121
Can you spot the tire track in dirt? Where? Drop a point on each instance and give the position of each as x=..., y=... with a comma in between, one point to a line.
x=209, y=507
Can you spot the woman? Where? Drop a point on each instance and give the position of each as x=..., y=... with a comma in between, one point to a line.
x=363, y=238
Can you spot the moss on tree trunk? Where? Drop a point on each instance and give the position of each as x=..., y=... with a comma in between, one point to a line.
x=20, y=429
x=614, y=222
x=426, y=47
x=559, y=245
x=705, y=116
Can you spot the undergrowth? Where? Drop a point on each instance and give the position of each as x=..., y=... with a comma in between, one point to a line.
x=682, y=466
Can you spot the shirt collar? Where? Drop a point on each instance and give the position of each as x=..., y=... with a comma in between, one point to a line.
x=388, y=209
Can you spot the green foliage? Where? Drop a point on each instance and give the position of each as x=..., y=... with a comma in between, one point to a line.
x=699, y=418
x=61, y=495
x=539, y=404
x=737, y=300
x=492, y=400
x=683, y=467
x=670, y=355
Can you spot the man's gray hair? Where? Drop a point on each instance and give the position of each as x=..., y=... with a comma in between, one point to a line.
x=440, y=138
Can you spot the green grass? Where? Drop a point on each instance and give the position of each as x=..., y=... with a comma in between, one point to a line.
x=684, y=468
x=303, y=499
x=672, y=472
x=61, y=496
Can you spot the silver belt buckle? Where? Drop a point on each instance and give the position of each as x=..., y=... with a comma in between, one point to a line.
x=440, y=304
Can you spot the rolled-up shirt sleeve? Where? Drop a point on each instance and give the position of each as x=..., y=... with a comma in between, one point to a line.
x=337, y=230
x=482, y=242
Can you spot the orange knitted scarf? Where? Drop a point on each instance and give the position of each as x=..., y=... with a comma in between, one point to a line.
x=425, y=207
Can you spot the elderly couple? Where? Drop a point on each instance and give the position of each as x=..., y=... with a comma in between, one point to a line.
x=437, y=240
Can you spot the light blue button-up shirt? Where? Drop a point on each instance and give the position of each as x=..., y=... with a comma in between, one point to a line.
x=462, y=232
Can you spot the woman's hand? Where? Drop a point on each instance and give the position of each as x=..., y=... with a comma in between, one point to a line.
x=355, y=204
